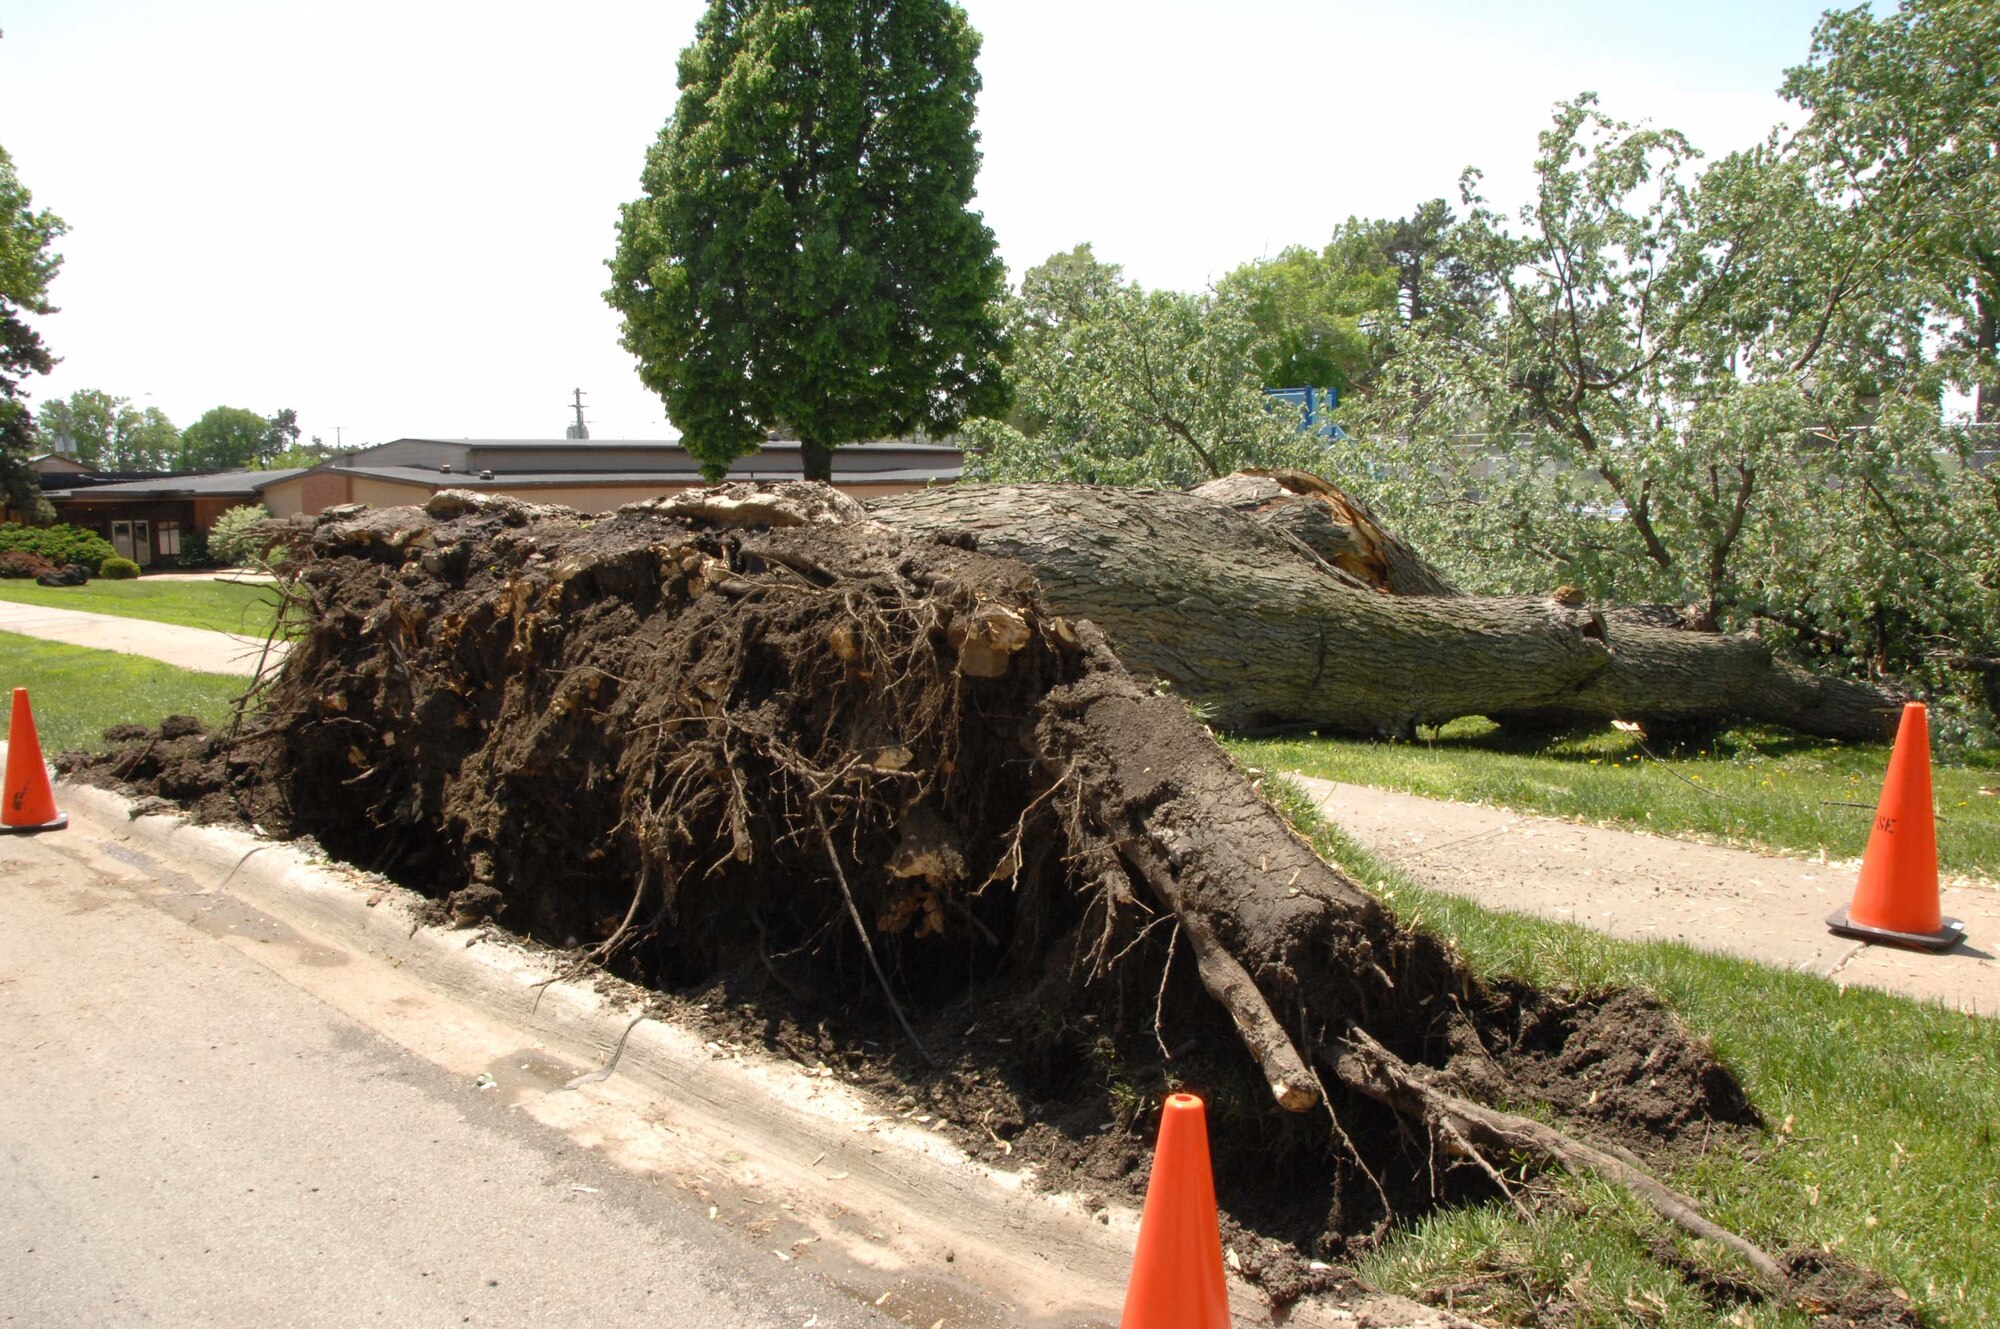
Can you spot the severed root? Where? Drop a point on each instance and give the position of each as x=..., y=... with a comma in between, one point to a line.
x=1371, y=1069
x=1230, y=984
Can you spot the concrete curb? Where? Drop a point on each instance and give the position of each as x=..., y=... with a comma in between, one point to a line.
x=882, y=1191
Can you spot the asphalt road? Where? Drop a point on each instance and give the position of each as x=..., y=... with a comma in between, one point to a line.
x=187, y=1139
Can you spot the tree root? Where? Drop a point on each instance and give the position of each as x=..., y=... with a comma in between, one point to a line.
x=1367, y=1067
x=868, y=946
x=1230, y=984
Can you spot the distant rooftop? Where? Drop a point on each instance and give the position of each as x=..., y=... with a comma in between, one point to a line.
x=214, y=484
x=557, y=460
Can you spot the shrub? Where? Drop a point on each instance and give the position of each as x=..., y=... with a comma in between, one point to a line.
x=60, y=545
x=194, y=550
x=117, y=569
x=21, y=563
x=232, y=539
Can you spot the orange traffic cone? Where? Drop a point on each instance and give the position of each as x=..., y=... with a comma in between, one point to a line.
x=1177, y=1280
x=30, y=805
x=1896, y=900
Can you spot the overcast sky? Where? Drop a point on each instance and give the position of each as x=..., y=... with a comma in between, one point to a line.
x=392, y=215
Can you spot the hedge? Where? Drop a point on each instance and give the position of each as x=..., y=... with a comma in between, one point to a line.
x=60, y=545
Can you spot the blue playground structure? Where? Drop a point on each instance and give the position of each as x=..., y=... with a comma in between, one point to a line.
x=1314, y=406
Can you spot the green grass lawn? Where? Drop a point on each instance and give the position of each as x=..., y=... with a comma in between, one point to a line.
x=1883, y=1140
x=77, y=693
x=1749, y=786
x=219, y=606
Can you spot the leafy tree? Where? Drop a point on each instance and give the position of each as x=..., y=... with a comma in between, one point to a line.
x=281, y=435
x=82, y=423
x=1630, y=395
x=298, y=454
x=110, y=433
x=1324, y=317
x=1320, y=314
x=233, y=538
x=1712, y=390
x=1115, y=384
x=229, y=437
x=1905, y=124
x=149, y=443
x=1435, y=284
x=27, y=265
x=804, y=255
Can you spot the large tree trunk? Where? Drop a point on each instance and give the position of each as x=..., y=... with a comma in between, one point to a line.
x=1269, y=609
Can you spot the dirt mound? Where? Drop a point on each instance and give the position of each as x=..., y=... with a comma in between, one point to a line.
x=1625, y=1061
x=861, y=797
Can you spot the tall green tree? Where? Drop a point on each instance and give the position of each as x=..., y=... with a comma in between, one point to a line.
x=109, y=432
x=804, y=255
x=231, y=437
x=1115, y=384
x=281, y=436
x=225, y=438
x=1905, y=128
x=27, y=264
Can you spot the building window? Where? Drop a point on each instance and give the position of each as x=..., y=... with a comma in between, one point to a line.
x=170, y=538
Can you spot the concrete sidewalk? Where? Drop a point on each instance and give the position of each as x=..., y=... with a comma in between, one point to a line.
x=226, y=575
x=169, y=643
x=1741, y=902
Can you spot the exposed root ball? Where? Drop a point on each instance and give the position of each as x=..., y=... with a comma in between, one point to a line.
x=862, y=776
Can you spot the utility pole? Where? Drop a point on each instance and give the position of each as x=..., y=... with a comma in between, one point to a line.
x=579, y=429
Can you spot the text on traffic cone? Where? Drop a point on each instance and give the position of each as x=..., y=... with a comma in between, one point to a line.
x=1896, y=899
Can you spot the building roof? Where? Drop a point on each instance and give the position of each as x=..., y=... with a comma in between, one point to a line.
x=431, y=478
x=648, y=457
x=650, y=444
x=215, y=484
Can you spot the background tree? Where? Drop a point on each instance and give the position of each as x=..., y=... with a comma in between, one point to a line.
x=281, y=435
x=1905, y=124
x=1320, y=315
x=1115, y=384
x=229, y=437
x=27, y=264
x=1325, y=316
x=804, y=255
x=109, y=432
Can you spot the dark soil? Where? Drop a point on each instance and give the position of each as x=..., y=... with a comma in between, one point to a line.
x=682, y=749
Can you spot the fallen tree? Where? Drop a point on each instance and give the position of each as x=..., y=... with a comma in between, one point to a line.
x=757, y=746
x=1277, y=602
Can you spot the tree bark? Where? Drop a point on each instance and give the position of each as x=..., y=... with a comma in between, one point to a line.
x=1265, y=613
x=816, y=461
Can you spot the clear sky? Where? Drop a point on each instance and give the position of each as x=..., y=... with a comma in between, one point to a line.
x=392, y=215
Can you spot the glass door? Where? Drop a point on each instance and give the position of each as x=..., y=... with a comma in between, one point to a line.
x=142, y=543
x=121, y=538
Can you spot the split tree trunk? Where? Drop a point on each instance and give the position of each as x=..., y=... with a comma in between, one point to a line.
x=1267, y=613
